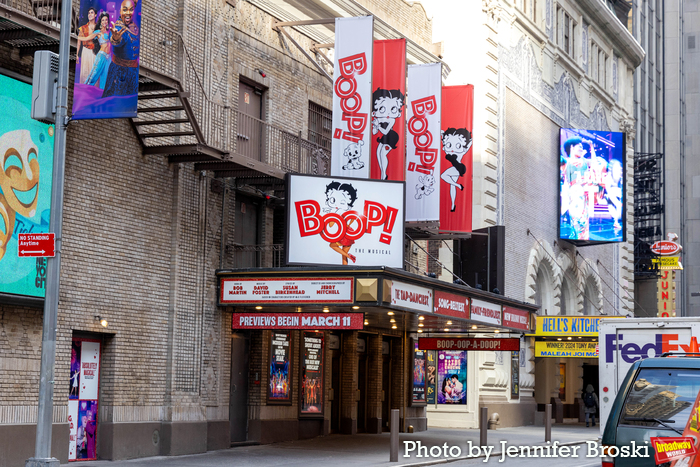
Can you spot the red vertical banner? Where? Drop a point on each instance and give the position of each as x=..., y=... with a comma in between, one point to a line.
x=387, y=158
x=456, y=158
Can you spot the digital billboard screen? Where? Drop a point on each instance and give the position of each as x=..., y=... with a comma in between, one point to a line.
x=591, y=186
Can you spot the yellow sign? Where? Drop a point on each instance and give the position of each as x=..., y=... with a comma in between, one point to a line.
x=569, y=325
x=666, y=295
x=668, y=262
x=566, y=349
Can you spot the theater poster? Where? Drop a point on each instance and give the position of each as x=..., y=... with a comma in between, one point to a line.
x=423, y=143
x=312, y=373
x=280, y=390
x=83, y=399
x=352, y=97
x=107, y=69
x=452, y=377
x=456, y=158
x=430, y=376
x=387, y=158
x=26, y=149
x=419, y=379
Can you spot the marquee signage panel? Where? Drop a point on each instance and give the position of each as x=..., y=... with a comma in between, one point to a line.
x=486, y=312
x=254, y=291
x=352, y=97
x=412, y=297
x=566, y=349
x=312, y=321
x=450, y=304
x=568, y=325
x=342, y=221
x=515, y=318
x=468, y=343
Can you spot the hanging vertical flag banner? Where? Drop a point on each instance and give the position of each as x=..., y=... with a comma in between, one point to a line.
x=107, y=69
x=387, y=157
x=352, y=97
x=456, y=159
x=423, y=143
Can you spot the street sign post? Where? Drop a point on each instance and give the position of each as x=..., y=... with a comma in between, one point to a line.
x=36, y=244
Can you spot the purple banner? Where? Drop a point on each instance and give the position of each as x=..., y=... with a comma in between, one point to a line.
x=107, y=70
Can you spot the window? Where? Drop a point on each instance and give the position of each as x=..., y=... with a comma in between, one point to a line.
x=566, y=32
x=599, y=65
x=320, y=125
x=528, y=8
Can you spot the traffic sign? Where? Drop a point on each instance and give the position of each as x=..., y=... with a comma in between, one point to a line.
x=36, y=244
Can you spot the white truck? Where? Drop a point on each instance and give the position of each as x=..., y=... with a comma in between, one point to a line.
x=624, y=341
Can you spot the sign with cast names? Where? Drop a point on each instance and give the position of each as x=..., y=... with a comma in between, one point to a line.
x=254, y=291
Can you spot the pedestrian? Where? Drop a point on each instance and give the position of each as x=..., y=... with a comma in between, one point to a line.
x=590, y=402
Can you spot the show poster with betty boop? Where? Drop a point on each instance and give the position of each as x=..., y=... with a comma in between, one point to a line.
x=344, y=221
x=352, y=97
x=456, y=158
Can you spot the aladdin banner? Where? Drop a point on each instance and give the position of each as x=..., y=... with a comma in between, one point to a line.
x=107, y=69
x=352, y=97
x=423, y=143
x=26, y=147
x=334, y=221
x=456, y=160
x=388, y=118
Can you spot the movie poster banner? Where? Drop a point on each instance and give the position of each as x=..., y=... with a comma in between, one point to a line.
x=107, y=69
x=419, y=380
x=423, y=143
x=82, y=399
x=26, y=148
x=456, y=159
x=388, y=154
x=430, y=376
x=312, y=374
x=334, y=221
x=280, y=390
x=452, y=377
x=352, y=97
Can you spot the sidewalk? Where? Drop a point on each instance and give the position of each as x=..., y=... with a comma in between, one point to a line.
x=359, y=450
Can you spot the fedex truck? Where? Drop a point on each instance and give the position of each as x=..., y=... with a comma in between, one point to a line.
x=624, y=341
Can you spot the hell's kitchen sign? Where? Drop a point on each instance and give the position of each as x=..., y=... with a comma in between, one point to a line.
x=312, y=321
x=254, y=291
x=486, y=312
x=516, y=318
x=412, y=297
x=341, y=221
x=450, y=304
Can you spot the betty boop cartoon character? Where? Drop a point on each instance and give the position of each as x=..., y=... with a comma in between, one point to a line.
x=353, y=152
x=340, y=198
x=388, y=105
x=456, y=142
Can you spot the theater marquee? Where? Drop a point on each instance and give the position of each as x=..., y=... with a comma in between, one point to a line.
x=254, y=291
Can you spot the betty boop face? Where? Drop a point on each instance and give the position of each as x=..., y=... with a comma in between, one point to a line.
x=387, y=107
x=455, y=144
x=338, y=200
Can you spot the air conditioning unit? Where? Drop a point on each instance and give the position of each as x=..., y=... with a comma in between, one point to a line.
x=45, y=86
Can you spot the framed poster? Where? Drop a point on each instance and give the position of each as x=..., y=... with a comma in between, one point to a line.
x=514, y=374
x=452, y=377
x=430, y=376
x=419, y=381
x=562, y=381
x=82, y=399
x=280, y=387
x=312, y=386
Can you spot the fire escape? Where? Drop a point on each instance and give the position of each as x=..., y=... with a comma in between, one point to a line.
x=648, y=212
x=176, y=117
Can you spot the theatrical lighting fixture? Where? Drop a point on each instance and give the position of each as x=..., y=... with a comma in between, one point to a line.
x=421, y=318
x=392, y=320
x=258, y=307
x=447, y=330
x=420, y=325
x=419, y=331
x=558, y=338
x=103, y=322
x=496, y=331
x=325, y=309
x=366, y=323
x=393, y=327
x=390, y=313
x=569, y=338
x=474, y=326
x=449, y=323
x=356, y=307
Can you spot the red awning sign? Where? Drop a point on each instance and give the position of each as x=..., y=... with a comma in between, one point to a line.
x=468, y=343
x=312, y=321
x=36, y=244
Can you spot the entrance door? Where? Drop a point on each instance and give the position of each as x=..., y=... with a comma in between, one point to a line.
x=238, y=405
x=386, y=391
x=250, y=126
x=245, y=233
x=335, y=387
x=362, y=387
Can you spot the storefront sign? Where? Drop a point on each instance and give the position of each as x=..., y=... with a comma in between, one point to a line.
x=566, y=349
x=670, y=449
x=568, y=326
x=412, y=297
x=515, y=318
x=254, y=291
x=280, y=389
x=418, y=375
x=344, y=221
x=452, y=377
x=332, y=321
x=468, y=343
x=666, y=248
x=666, y=294
x=668, y=263
x=485, y=312
x=450, y=304
x=312, y=374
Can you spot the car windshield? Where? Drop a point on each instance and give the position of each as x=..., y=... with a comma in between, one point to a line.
x=666, y=395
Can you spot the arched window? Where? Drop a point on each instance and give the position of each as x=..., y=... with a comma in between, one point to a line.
x=544, y=290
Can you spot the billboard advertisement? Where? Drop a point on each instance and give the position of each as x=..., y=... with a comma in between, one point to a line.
x=342, y=221
x=423, y=143
x=418, y=375
x=312, y=374
x=452, y=377
x=280, y=388
x=352, y=97
x=82, y=399
x=456, y=158
x=26, y=149
x=107, y=69
x=388, y=117
x=591, y=186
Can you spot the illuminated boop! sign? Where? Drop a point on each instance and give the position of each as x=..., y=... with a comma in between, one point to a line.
x=340, y=221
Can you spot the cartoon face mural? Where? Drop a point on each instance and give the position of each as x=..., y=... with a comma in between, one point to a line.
x=7, y=224
x=19, y=174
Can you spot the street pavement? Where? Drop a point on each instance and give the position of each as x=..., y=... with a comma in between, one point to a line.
x=449, y=446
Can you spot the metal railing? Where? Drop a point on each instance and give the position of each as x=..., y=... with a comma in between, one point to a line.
x=256, y=256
